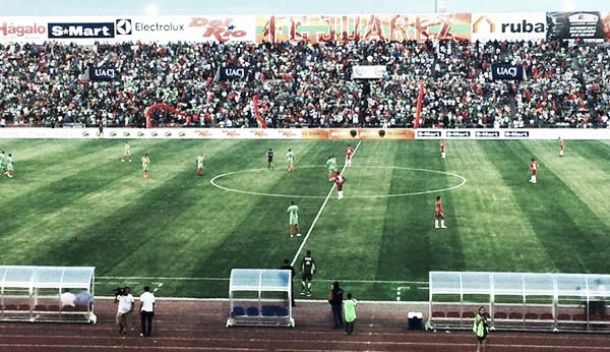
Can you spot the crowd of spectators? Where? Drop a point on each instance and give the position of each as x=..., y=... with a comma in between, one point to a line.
x=306, y=85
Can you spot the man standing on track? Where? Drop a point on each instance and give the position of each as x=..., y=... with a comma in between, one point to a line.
x=481, y=329
x=147, y=311
x=439, y=222
x=308, y=269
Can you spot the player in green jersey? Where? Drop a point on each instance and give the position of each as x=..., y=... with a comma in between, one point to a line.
x=331, y=165
x=290, y=158
x=293, y=220
x=145, y=165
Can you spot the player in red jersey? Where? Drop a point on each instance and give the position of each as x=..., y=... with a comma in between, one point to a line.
x=562, y=146
x=439, y=222
x=533, y=170
x=339, y=182
x=443, y=149
x=349, y=152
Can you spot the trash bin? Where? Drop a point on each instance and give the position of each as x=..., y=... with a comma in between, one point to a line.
x=414, y=320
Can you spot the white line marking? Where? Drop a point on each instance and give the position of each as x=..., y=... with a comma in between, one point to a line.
x=278, y=195
x=127, y=347
x=145, y=278
x=332, y=188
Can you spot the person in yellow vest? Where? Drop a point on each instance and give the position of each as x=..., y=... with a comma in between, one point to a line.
x=349, y=312
x=481, y=329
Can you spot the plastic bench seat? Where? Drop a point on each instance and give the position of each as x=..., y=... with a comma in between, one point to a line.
x=252, y=311
x=438, y=314
x=531, y=316
x=468, y=315
x=500, y=315
x=238, y=311
x=515, y=315
x=453, y=315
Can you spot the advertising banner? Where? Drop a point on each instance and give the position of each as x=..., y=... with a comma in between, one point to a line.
x=509, y=26
x=233, y=73
x=369, y=72
x=102, y=73
x=360, y=27
x=507, y=71
x=590, y=26
x=118, y=29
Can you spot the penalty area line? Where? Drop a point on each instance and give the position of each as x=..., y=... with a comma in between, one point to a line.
x=332, y=188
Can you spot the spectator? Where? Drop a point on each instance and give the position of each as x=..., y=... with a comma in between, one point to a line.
x=349, y=311
x=336, y=303
x=67, y=298
x=125, y=301
x=147, y=311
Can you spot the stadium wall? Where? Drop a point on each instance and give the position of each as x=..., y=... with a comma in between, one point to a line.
x=309, y=134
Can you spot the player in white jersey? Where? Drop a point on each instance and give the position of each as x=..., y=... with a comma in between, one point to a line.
x=200, y=159
x=127, y=156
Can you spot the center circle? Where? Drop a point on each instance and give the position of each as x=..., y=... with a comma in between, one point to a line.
x=462, y=179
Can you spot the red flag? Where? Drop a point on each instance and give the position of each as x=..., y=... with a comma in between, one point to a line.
x=259, y=118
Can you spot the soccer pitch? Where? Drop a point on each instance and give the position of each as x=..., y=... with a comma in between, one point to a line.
x=73, y=202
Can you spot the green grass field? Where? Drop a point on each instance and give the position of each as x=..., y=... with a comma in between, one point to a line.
x=74, y=203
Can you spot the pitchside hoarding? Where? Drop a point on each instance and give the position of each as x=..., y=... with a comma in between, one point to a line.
x=362, y=27
x=113, y=29
x=509, y=26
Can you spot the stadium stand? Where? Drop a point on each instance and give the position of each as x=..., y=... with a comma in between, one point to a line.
x=306, y=85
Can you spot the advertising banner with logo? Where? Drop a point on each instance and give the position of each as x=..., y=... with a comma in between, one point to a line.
x=233, y=73
x=105, y=73
x=113, y=29
x=369, y=72
x=507, y=71
x=509, y=26
x=590, y=26
x=360, y=27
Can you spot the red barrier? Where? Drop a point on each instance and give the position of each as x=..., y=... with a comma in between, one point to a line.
x=420, y=102
x=259, y=118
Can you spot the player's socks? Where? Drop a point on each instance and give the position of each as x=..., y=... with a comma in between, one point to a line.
x=443, y=224
x=298, y=235
x=436, y=226
x=533, y=179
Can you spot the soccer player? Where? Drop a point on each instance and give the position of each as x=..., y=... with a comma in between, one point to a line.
x=308, y=269
x=339, y=181
x=126, y=153
x=290, y=158
x=443, y=148
x=270, y=159
x=2, y=163
x=293, y=220
x=9, y=165
x=439, y=222
x=349, y=152
x=331, y=164
x=533, y=170
x=562, y=146
x=145, y=165
x=200, y=159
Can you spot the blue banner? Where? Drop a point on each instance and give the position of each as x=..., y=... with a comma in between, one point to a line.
x=507, y=71
x=102, y=74
x=233, y=73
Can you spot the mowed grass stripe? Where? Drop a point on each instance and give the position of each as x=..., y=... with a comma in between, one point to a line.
x=347, y=239
x=559, y=218
x=585, y=169
x=495, y=233
x=42, y=162
x=70, y=206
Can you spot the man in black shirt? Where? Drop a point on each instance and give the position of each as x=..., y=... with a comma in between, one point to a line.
x=308, y=268
x=270, y=159
x=336, y=303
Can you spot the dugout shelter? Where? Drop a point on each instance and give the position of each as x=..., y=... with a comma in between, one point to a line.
x=260, y=297
x=520, y=301
x=47, y=294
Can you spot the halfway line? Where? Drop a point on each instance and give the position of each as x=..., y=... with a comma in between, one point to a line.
x=296, y=256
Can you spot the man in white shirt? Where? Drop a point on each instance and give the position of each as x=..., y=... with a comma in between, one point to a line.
x=125, y=307
x=67, y=299
x=147, y=311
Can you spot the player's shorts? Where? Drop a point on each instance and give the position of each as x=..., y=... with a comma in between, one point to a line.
x=534, y=172
x=439, y=216
x=293, y=220
x=307, y=277
x=145, y=168
x=270, y=160
x=339, y=187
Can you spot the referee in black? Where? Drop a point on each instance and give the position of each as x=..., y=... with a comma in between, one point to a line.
x=308, y=269
x=270, y=159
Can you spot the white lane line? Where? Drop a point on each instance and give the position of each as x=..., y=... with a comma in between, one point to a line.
x=332, y=188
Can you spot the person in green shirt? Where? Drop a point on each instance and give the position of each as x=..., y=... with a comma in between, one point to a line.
x=481, y=329
x=2, y=163
x=331, y=165
x=290, y=158
x=10, y=171
x=349, y=312
x=293, y=220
